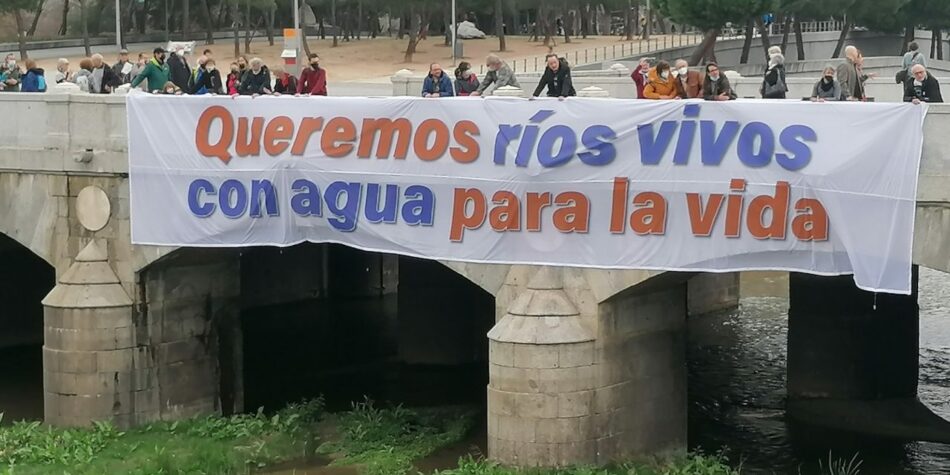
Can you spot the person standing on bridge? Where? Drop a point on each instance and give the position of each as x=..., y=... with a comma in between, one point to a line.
x=716, y=87
x=103, y=79
x=921, y=86
x=557, y=78
x=313, y=80
x=912, y=57
x=10, y=75
x=661, y=84
x=499, y=74
x=179, y=69
x=257, y=81
x=690, y=82
x=123, y=68
x=773, y=84
x=155, y=73
x=437, y=84
x=35, y=78
x=465, y=80
x=850, y=77
x=63, y=74
x=641, y=75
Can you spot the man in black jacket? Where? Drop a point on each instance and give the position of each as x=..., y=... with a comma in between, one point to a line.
x=557, y=78
x=178, y=69
x=921, y=86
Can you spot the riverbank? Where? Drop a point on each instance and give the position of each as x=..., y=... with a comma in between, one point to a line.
x=301, y=438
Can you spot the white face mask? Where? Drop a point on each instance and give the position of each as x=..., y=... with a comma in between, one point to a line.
x=11, y=64
x=210, y=68
x=665, y=74
x=714, y=78
x=683, y=71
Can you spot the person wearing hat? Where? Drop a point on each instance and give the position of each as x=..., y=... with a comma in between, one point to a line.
x=123, y=68
x=155, y=72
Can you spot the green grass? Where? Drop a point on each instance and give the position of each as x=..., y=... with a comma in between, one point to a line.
x=208, y=445
x=386, y=441
x=690, y=465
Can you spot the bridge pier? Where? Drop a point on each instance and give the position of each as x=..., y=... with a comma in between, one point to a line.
x=569, y=390
x=853, y=360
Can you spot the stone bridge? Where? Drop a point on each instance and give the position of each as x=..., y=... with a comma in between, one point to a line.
x=585, y=366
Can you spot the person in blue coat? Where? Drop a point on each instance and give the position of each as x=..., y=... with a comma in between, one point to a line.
x=437, y=84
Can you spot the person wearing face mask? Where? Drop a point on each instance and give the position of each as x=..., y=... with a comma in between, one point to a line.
x=465, y=81
x=285, y=83
x=313, y=80
x=640, y=75
x=690, y=82
x=233, y=80
x=921, y=86
x=716, y=87
x=661, y=84
x=63, y=74
x=557, y=78
x=242, y=63
x=156, y=72
x=827, y=88
x=207, y=79
x=11, y=75
x=773, y=84
x=138, y=67
x=179, y=69
x=257, y=80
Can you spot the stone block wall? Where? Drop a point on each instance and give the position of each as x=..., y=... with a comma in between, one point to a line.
x=707, y=293
x=190, y=319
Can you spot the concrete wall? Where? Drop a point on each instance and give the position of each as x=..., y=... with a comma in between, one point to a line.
x=707, y=293
x=24, y=280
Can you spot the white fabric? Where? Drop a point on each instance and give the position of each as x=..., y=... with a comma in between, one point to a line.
x=862, y=171
x=468, y=31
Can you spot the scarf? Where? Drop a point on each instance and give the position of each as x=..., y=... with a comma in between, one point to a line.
x=826, y=85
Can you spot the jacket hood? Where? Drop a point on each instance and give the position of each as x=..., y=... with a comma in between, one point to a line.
x=37, y=71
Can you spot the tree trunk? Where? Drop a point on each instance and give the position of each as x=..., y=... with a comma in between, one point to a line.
x=270, y=24
x=247, y=27
x=764, y=33
x=306, y=46
x=628, y=21
x=447, y=20
x=333, y=22
x=939, y=34
x=209, y=23
x=799, y=40
x=909, y=32
x=747, y=45
x=787, y=25
x=236, y=26
x=359, y=18
x=500, y=24
x=85, y=27
x=20, y=33
x=413, y=34
x=36, y=17
x=564, y=20
x=845, y=30
x=934, y=41
x=63, y=24
x=167, y=28
x=706, y=49
x=185, y=18
x=585, y=20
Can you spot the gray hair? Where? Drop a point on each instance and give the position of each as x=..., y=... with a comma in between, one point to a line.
x=96, y=56
x=831, y=67
x=778, y=58
x=850, y=50
x=62, y=61
x=492, y=59
x=257, y=61
x=775, y=50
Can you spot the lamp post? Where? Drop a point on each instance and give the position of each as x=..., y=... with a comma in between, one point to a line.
x=297, y=34
x=454, y=33
x=118, y=24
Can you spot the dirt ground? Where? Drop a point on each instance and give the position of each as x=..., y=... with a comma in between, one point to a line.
x=375, y=60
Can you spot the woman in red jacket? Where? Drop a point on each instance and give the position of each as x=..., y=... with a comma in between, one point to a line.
x=639, y=76
x=313, y=80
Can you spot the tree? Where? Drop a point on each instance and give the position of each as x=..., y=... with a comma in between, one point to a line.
x=500, y=24
x=711, y=15
x=15, y=7
x=36, y=17
x=85, y=27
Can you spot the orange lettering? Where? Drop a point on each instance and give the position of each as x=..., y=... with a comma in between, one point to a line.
x=339, y=131
x=734, y=208
x=755, y=220
x=536, y=203
x=308, y=126
x=649, y=219
x=399, y=130
x=574, y=218
x=703, y=219
x=813, y=224
x=439, y=146
x=618, y=210
x=465, y=133
x=203, y=130
x=249, y=143
x=506, y=216
x=277, y=135
x=461, y=220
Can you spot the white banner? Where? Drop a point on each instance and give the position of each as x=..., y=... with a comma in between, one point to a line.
x=674, y=185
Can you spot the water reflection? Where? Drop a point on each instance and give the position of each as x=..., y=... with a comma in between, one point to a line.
x=737, y=387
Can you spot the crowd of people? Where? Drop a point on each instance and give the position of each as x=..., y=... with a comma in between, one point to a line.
x=166, y=73
x=658, y=80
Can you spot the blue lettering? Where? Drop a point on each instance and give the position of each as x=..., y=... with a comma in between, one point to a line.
x=568, y=145
x=306, y=201
x=714, y=146
x=372, y=211
x=421, y=209
x=194, y=197
x=232, y=206
x=506, y=133
x=265, y=187
x=793, y=140
x=597, y=141
x=653, y=146
x=747, y=145
x=344, y=215
x=685, y=143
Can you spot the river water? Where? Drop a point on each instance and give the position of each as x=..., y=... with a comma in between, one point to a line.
x=737, y=363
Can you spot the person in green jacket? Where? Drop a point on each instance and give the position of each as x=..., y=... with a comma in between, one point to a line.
x=155, y=72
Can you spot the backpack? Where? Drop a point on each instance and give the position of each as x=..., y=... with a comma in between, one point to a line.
x=901, y=76
x=41, y=83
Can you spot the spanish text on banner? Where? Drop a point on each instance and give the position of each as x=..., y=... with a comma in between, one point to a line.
x=673, y=185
